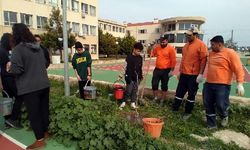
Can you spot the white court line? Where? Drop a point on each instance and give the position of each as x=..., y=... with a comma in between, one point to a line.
x=13, y=140
x=246, y=70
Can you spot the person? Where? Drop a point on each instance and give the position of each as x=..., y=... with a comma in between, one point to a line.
x=133, y=75
x=193, y=62
x=165, y=63
x=45, y=50
x=29, y=67
x=8, y=82
x=222, y=64
x=81, y=63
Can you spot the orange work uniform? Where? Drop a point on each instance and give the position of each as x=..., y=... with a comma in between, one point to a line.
x=194, y=55
x=165, y=57
x=222, y=65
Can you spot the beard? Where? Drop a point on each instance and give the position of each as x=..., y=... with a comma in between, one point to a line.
x=163, y=45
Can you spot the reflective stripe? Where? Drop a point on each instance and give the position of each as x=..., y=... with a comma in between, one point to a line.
x=178, y=98
x=211, y=115
x=191, y=101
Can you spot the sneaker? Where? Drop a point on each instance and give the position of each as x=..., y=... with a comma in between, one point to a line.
x=122, y=105
x=36, y=145
x=212, y=128
x=186, y=116
x=14, y=124
x=224, y=122
x=133, y=105
x=155, y=99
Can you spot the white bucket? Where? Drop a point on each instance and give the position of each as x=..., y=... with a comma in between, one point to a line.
x=89, y=92
x=56, y=59
x=6, y=104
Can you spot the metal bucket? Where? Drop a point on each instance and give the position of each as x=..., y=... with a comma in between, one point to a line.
x=6, y=104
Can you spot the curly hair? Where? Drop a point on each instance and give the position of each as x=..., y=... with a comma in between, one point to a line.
x=7, y=41
x=21, y=33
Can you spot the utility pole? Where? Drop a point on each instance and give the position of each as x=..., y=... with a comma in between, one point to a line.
x=65, y=48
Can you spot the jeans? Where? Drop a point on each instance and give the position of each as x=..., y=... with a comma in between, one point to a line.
x=216, y=97
x=131, y=91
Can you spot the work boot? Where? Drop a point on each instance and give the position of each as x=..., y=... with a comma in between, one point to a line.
x=14, y=124
x=122, y=105
x=224, y=122
x=36, y=145
x=133, y=105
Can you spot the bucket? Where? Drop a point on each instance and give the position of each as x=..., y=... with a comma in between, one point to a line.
x=6, y=104
x=118, y=91
x=89, y=92
x=153, y=126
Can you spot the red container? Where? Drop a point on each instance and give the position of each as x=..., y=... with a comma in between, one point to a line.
x=118, y=91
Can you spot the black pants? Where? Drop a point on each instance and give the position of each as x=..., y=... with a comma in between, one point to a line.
x=37, y=104
x=9, y=86
x=187, y=83
x=131, y=91
x=81, y=85
x=160, y=75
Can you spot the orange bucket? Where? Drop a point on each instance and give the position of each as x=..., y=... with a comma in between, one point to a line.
x=153, y=126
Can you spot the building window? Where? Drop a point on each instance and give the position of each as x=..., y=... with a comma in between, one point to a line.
x=109, y=27
x=180, y=38
x=116, y=29
x=93, y=30
x=53, y=2
x=26, y=19
x=75, y=27
x=123, y=30
x=92, y=10
x=142, y=41
x=142, y=31
x=113, y=28
x=120, y=29
x=75, y=5
x=93, y=49
x=157, y=30
x=170, y=37
x=41, y=1
x=85, y=8
x=10, y=18
x=105, y=26
x=85, y=29
x=86, y=47
x=171, y=27
x=41, y=22
x=186, y=26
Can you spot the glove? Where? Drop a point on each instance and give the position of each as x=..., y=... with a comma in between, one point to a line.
x=170, y=74
x=240, y=89
x=199, y=78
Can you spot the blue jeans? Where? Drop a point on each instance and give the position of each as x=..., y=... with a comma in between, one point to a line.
x=216, y=97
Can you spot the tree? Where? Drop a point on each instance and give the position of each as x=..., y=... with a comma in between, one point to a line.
x=107, y=43
x=231, y=44
x=54, y=32
x=126, y=44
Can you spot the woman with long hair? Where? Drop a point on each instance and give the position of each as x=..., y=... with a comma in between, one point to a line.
x=28, y=64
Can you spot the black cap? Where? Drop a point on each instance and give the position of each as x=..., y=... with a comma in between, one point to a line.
x=78, y=45
x=217, y=39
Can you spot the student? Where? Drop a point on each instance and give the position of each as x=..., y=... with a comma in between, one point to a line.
x=222, y=64
x=45, y=50
x=165, y=63
x=28, y=65
x=133, y=75
x=81, y=63
x=193, y=62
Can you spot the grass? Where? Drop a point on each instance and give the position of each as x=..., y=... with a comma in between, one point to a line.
x=176, y=132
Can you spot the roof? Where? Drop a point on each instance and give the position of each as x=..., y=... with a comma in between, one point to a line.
x=141, y=24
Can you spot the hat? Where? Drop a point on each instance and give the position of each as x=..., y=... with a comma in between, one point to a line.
x=217, y=39
x=78, y=45
x=192, y=31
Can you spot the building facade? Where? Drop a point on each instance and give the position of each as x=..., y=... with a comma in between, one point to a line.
x=174, y=28
x=82, y=18
x=112, y=27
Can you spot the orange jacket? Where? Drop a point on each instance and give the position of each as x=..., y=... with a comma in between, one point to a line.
x=222, y=65
x=194, y=55
x=165, y=57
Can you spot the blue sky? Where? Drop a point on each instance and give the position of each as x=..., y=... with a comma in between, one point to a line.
x=222, y=16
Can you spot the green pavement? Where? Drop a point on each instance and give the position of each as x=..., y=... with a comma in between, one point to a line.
x=111, y=76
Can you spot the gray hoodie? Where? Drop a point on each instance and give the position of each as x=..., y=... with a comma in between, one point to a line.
x=29, y=66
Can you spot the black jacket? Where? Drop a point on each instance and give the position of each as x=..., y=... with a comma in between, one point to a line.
x=4, y=58
x=133, y=68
